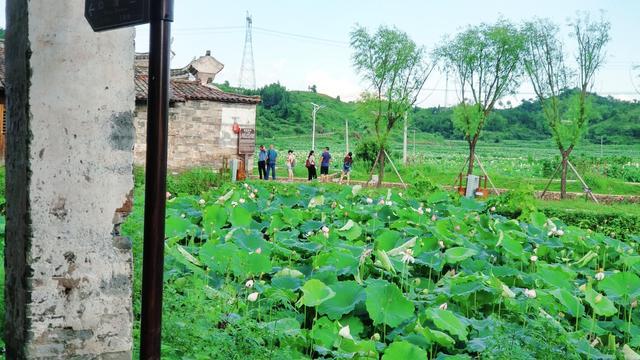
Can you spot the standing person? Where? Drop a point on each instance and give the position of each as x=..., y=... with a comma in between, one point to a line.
x=272, y=154
x=291, y=162
x=311, y=166
x=262, y=162
x=324, y=165
x=346, y=167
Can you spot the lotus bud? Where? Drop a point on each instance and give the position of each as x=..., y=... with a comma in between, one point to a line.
x=492, y=209
x=375, y=337
x=434, y=217
x=531, y=294
x=345, y=333
x=599, y=276
x=248, y=284
x=258, y=251
x=168, y=194
x=533, y=258
x=241, y=201
x=369, y=201
x=201, y=201
x=252, y=196
x=443, y=306
x=420, y=211
x=253, y=296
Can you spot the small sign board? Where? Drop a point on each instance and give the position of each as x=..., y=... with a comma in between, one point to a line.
x=114, y=14
x=246, y=141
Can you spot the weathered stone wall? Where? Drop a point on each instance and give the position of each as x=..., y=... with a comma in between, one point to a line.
x=199, y=133
x=69, y=169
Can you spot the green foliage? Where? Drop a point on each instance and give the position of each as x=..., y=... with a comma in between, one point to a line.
x=486, y=61
x=616, y=224
x=193, y=181
x=360, y=273
x=516, y=202
x=468, y=119
x=367, y=151
x=396, y=69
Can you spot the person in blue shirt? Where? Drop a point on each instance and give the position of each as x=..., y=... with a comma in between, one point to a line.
x=262, y=162
x=272, y=154
x=324, y=165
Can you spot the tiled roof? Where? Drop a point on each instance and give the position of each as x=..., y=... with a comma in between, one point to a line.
x=183, y=90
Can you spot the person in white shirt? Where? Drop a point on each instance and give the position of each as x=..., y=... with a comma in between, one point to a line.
x=291, y=162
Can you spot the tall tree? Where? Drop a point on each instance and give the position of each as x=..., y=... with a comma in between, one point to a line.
x=396, y=69
x=486, y=62
x=544, y=63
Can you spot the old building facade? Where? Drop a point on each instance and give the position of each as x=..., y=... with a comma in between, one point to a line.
x=201, y=117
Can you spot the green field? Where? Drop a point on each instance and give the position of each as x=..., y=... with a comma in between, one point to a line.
x=310, y=287
x=250, y=273
x=610, y=169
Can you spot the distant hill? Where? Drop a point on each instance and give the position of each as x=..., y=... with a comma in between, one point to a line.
x=287, y=113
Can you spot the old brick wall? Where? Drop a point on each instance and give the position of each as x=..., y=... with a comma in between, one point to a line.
x=198, y=135
x=69, y=168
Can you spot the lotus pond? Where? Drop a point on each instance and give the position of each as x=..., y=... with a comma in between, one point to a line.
x=269, y=271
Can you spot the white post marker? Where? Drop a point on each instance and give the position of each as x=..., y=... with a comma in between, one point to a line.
x=404, y=143
x=346, y=133
x=316, y=107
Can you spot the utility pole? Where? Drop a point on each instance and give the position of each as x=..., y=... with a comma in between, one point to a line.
x=156, y=178
x=404, y=143
x=446, y=88
x=316, y=107
x=346, y=133
x=414, y=143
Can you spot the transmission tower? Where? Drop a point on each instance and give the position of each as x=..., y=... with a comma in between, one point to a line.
x=247, y=69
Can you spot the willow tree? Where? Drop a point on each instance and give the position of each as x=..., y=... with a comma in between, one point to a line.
x=396, y=70
x=544, y=63
x=485, y=59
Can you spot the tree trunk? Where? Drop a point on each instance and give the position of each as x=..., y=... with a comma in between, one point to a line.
x=472, y=156
x=381, y=159
x=563, y=175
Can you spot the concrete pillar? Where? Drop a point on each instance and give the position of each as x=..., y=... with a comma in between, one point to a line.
x=69, y=173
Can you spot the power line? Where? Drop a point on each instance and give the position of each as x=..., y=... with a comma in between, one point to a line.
x=306, y=37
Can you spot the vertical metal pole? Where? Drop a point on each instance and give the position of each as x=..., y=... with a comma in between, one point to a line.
x=346, y=133
x=414, y=143
x=404, y=142
x=313, y=130
x=155, y=180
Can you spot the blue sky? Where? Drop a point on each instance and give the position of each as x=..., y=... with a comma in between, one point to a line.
x=286, y=32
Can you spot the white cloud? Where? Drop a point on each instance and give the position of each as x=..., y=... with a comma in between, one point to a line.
x=333, y=84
